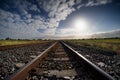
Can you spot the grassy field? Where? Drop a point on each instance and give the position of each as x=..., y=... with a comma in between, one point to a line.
x=16, y=42
x=109, y=44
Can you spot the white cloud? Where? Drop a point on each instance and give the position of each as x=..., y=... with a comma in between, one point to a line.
x=78, y=1
x=26, y=25
x=60, y=13
x=16, y=17
x=19, y=28
x=50, y=31
x=57, y=10
x=53, y=22
x=50, y=5
x=28, y=16
x=98, y=2
x=71, y=3
x=33, y=7
x=5, y=14
x=68, y=31
x=104, y=1
x=109, y=34
x=79, y=6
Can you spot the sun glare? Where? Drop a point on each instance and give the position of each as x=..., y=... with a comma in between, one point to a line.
x=80, y=25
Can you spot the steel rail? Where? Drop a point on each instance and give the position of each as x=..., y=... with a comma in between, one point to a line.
x=98, y=72
x=22, y=73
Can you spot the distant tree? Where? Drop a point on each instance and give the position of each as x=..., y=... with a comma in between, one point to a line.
x=33, y=39
x=116, y=37
x=39, y=39
x=19, y=39
x=8, y=38
x=83, y=39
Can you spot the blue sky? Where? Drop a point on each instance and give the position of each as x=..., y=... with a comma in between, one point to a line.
x=53, y=18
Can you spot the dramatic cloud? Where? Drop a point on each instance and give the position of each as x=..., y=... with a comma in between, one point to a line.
x=37, y=18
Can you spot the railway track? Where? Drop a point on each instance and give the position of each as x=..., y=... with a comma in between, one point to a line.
x=60, y=62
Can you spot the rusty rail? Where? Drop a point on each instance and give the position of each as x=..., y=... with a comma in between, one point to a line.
x=21, y=74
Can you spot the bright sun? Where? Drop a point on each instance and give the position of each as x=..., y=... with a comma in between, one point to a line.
x=80, y=25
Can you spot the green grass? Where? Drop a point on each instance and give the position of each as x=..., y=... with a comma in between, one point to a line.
x=16, y=42
x=109, y=44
